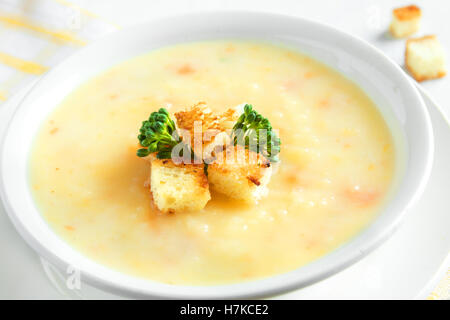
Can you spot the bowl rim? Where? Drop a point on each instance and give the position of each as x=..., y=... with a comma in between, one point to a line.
x=256, y=288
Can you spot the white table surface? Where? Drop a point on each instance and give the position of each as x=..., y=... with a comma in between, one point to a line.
x=367, y=19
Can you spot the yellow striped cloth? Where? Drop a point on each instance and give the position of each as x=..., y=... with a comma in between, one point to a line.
x=442, y=291
x=37, y=34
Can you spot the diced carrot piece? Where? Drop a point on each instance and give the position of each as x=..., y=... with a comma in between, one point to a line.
x=361, y=198
x=230, y=48
x=309, y=75
x=185, y=69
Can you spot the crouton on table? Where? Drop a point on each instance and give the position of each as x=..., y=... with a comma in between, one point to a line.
x=405, y=21
x=424, y=58
x=178, y=187
x=239, y=173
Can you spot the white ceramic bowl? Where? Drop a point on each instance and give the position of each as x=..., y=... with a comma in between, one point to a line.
x=388, y=86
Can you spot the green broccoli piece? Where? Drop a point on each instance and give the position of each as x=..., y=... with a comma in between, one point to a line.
x=249, y=131
x=158, y=134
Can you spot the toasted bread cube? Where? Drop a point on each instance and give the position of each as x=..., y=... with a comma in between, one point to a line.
x=178, y=187
x=405, y=21
x=206, y=130
x=424, y=58
x=240, y=174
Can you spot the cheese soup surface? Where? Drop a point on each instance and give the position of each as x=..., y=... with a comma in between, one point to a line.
x=337, y=164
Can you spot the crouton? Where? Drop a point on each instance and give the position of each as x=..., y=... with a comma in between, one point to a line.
x=424, y=58
x=178, y=187
x=405, y=21
x=239, y=173
x=210, y=130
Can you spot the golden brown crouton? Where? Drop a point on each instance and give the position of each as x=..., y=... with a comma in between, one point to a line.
x=424, y=58
x=211, y=130
x=178, y=187
x=240, y=173
x=405, y=21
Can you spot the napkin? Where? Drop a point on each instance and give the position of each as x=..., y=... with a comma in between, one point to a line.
x=38, y=34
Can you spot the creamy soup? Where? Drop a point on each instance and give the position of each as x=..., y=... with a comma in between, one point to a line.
x=337, y=163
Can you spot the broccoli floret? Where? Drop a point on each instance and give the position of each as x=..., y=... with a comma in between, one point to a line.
x=158, y=134
x=254, y=132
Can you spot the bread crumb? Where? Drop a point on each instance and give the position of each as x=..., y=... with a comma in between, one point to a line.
x=424, y=58
x=405, y=21
x=178, y=187
x=211, y=130
x=240, y=174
